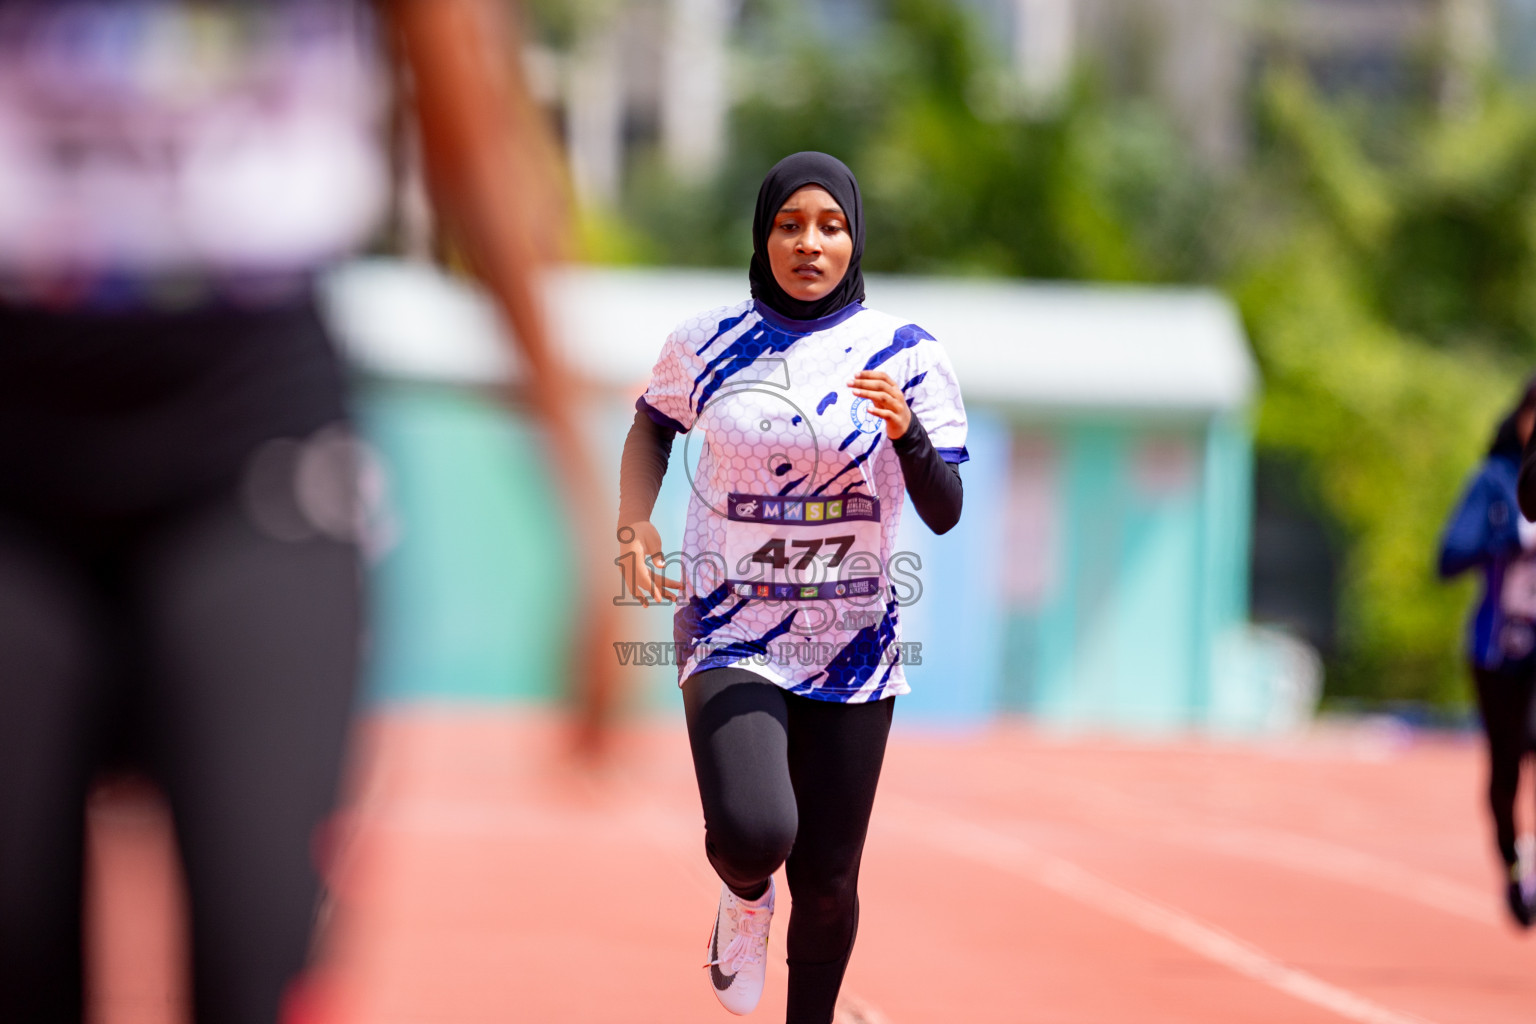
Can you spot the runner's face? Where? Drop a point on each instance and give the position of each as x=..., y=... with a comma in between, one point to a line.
x=809, y=246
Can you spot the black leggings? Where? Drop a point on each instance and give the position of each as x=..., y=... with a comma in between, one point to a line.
x=789, y=780
x=1504, y=701
x=221, y=661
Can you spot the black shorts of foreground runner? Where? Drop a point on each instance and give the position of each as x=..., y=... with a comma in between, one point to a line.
x=170, y=603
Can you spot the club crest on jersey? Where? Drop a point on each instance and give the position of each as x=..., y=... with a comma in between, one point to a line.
x=746, y=509
x=864, y=421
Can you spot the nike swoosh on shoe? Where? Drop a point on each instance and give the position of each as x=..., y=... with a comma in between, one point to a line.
x=720, y=980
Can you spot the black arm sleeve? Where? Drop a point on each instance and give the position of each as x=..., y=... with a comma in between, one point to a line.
x=933, y=483
x=646, y=451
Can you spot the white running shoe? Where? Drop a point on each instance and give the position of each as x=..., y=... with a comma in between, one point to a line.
x=738, y=949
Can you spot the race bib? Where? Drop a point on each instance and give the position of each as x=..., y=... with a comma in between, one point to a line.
x=804, y=549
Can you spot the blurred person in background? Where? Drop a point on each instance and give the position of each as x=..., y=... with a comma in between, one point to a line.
x=180, y=513
x=1488, y=532
x=820, y=416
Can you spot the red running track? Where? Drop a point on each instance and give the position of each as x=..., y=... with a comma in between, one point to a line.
x=1009, y=877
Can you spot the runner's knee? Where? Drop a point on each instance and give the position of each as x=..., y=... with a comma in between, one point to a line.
x=751, y=846
x=825, y=893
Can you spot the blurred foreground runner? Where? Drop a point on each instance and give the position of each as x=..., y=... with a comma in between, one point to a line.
x=180, y=521
x=821, y=416
x=1488, y=532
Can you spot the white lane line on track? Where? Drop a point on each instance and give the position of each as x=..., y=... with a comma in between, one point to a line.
x=1344, y=864
x=971, y=841
x=1290, y=850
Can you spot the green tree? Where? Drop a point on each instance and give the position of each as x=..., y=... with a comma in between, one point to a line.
x=1384, y=367
x=959, y=175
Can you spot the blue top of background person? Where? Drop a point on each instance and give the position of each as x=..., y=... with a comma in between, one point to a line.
x=1484, y=533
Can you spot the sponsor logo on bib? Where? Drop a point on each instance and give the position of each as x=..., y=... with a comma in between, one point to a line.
x=758, y=508
x=830, y=590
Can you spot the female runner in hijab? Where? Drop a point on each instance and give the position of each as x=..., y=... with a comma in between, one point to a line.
x=820, y=415
x=1489, y=533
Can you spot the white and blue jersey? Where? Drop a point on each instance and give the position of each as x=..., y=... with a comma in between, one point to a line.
x=798, y=493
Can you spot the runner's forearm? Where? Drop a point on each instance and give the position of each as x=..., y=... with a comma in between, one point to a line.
x=933, y=483
x=647, y=450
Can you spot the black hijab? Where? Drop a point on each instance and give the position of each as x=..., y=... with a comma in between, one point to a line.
x=1506, y=439
x=787, y=177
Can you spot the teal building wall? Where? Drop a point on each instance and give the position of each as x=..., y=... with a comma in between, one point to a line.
x=1146, y=542
x=471, y=601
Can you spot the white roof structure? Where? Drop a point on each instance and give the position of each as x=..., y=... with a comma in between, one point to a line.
x=1013, y=344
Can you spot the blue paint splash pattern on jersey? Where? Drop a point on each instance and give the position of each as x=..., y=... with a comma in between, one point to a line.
x=745, y=648
x=829, y=399
x=855, y=463
x=905, y=338
x=852, y=667
x=693, y=621
x=761, y=339
x=721, y=328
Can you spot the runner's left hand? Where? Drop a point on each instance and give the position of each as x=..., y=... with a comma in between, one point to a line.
x=885, y=400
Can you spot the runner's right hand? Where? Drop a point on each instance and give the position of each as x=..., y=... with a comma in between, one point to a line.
x=640, y=562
